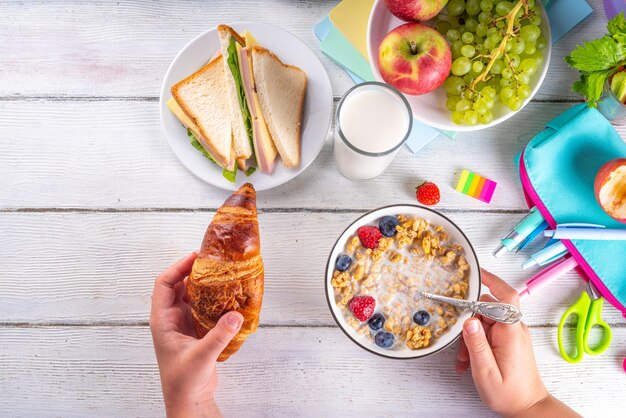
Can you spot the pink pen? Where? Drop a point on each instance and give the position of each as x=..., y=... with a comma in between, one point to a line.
x=546, y=276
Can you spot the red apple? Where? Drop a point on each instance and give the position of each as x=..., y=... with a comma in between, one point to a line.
x=415, y=10
x=414, y=58
x=610, y=188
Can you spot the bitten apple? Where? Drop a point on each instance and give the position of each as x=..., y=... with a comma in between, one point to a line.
x=414, y=58
x=415, y=10
x=610, y=188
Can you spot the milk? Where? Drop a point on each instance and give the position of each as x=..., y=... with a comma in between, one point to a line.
x=374, y=119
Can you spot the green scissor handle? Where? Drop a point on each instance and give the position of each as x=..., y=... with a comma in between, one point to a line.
x=580, y=309
x=594, y=317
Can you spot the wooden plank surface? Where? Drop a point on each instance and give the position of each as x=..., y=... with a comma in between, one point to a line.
x=113, y=154
x=111, y=371
x=124, y=48
x=78, y=268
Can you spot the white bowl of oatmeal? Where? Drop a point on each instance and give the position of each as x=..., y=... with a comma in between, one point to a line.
x=372, y=279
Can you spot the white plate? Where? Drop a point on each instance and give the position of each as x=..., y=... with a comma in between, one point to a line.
x=317, y=113
x=431, y=108
x=456, y=236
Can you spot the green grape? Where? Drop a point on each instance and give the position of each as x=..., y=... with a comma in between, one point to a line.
x=443, y=26
x=467, y=37
x=535, y=20
x=468, y=78
x=542, y=43
x=481, y=29
x=453, y=85
x=506, y=93
x=471, y=24
x=508, y=46
x=515, y=103
x=483, y=17
x=530, y=33
x=486, y=117
x=453, y=35
x=529, y=66
x=477, y=66
x=470, y=118
x=468, y=51
x=472, y=7
x=488, y=44
x=451, y=103
x=497, y=67
x=531, y=3
x=461, y=29
x=461, y=66
x=505, y=83
x=523, y=78
x=456, y=7
x=500, y=24
x=480, y=106
x=492, y=31
x=488, y=91
x=496, y=38
x=504, y=8
x=523, y=91
x=507, y=73
x=486, y=5
x=456, y=49
x=538, y=56
x=489, y=102
x=530, y=49
x=514, y=60
x=458, y=117
x=518, y=46
x=463, y=105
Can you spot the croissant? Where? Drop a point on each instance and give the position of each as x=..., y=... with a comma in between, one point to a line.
x=228, y=273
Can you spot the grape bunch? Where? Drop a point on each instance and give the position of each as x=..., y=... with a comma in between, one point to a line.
x=496, y=48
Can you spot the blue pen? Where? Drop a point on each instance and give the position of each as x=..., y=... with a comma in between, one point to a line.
x=520, y=232
x=546, y=256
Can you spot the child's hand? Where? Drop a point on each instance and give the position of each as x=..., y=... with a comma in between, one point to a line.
x=502, y=361
x=186, y=364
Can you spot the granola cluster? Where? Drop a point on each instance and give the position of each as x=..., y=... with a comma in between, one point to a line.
x=418, y=257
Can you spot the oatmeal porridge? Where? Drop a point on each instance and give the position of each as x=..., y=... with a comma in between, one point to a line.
x=379, y=272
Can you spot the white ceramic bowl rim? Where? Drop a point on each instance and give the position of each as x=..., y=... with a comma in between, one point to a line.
x=331, y=303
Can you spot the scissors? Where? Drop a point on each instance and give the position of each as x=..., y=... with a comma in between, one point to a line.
x=589, y=313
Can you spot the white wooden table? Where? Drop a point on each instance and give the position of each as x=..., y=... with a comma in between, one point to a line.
x=93, y=204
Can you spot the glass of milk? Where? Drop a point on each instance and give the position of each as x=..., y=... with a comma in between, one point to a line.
x=373, y=121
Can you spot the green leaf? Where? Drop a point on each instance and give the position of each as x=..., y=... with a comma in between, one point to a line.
x=597, y=55
x=233, y=64
x=250, y=170
x=617, y=25
x=197, y=145
x=595, y=85
x=230, y=175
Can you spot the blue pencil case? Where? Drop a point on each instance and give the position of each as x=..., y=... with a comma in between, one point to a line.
x=557, y=170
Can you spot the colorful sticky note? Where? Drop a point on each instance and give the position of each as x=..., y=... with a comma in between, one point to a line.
x=476, y=186
x=351, y=18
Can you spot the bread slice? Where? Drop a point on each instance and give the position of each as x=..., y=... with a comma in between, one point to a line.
x=241, y=140
x=203, y=98
x=281, y=89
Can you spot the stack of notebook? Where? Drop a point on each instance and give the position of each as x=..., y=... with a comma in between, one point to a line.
x=342, y=38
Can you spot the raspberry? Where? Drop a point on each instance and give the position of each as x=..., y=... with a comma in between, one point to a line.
x=362, y=307
x=427, y=193
x=369, y=236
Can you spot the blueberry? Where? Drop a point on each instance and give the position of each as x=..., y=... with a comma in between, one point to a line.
x=343, y=262
x=376, y=321
x=384, y=339
x=387, y=225
x=421, y=317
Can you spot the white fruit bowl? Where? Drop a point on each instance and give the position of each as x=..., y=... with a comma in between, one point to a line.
x=431, y=108
x=455, y=235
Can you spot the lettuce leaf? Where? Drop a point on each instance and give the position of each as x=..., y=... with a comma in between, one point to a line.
x=233, y=64
x=228, y=175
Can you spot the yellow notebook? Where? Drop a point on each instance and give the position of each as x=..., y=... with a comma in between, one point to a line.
x=351, y=17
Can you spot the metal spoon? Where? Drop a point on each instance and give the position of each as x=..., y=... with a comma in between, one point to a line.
x=499, y=312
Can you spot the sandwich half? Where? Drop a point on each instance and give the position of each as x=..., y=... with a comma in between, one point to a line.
x=201, y=103
x=281, y=90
